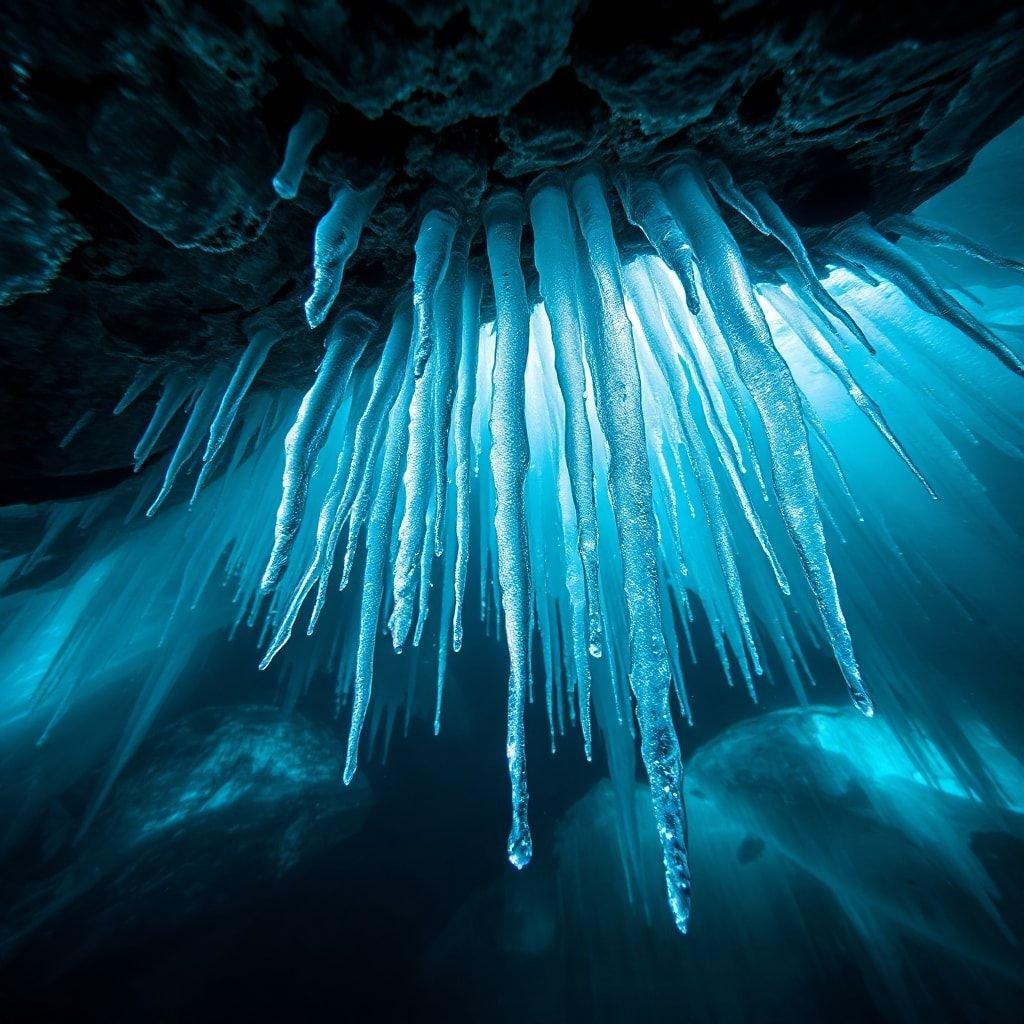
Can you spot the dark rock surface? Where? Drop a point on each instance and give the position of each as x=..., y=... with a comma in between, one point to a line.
x=218, y=806
x=141, y=138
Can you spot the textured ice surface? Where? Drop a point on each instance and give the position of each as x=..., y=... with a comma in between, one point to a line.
x=664, y=461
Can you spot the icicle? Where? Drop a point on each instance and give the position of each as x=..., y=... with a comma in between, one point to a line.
x=791, y=313
x=433, y=251
x=721, y=180
x=555, y=257
x=771, y=386
x=447, y=607
x=336, y=238
x=305, y=135
x=76, y=428
x=261, y=341
x=913, y=226
x=418, y=482
x=787, y=234
x=448, y=328
x=192, y=435
x=712, y=347
x=178, y=388
x=345, y=343
x=645, y=205
x=863, y=243
x=617, y=384
x=378, y=542
x=672, y=367
x=462, y=419
x=650, y=321
x=355, y=475
x=503, y=219
x=146, y=375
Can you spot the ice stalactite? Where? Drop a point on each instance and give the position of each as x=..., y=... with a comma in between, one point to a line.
x=601, y=454
x=617, y=384
x=260, y=341
x=145, y=377
x=433, y=250
x=305, y=135
x=819, y=346
x=344, y=345
x=555, y=256
x=504, y=217
x=644, y=204
x=858, y=241
x=921, y=230
x=378, y=542
x=336, y=239
x=196, y=427
x=450, y=296
x=721, y=180
x=774, y=393
x=783, y=229
x=462, y=427
x=179, y=386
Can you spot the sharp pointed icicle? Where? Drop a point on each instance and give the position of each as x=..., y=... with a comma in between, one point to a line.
x=617, y=384
x=345, y=343
x=192, y=435
x=378, y=542
x=938, y=235
x=462, y=420
x=179, y=386
x=504, y=217
x=771, y=386
x=793, y=314
x=448, y=330
x=721, y=180
x=261, y=341
x=145, y=376
x=305, y=135
x=785, y=231
x=863, y=244
x=555, y=256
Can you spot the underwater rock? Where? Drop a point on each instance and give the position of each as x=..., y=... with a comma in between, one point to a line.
x=216, y=807
x=900, y=887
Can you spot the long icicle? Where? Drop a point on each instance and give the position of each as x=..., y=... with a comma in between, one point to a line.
x=792, y=313
x=378, y=542
x=504, y=217
x=462, y=418
x=192, y=435
x=785, y=231
x=858, y=240
x=261, y=341
x=555, y=256
x=617, y=383
x=775, y=394
x=179, y=386
x=345, y=343
x=921, y=230
x=449, y=341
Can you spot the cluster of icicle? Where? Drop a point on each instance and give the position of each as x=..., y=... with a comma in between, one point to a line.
x=633, y=441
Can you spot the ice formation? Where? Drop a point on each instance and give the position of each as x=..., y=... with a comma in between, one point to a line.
x=615, y=436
